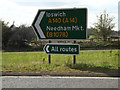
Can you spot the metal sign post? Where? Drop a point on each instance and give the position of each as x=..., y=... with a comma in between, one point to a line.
x=61, y=24
x=49, y=56
x=74, y=57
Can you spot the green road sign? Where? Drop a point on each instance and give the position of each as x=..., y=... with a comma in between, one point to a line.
x=53, y=48
x=61, y=24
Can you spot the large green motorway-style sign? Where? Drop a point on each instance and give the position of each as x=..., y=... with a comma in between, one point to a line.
x=53, y=48
x=61, y=24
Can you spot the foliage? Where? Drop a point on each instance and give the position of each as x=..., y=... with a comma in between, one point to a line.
x=6, y=33
x=103, y=27
x=91, y=37
x=93, y=45
x=22, y=36
x=84, y=45
x=91, y=61
x=16, y=37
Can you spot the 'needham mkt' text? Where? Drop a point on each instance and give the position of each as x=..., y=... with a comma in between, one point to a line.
x=61, y=28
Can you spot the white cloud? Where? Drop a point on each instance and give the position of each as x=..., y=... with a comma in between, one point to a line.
x=119, y=16
x=13, y=12
x=24, y=11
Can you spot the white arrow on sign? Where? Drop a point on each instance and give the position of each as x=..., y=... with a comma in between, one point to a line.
x=47, y=49
x=38, y=22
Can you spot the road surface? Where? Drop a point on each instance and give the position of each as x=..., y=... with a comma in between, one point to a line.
x=58, y=82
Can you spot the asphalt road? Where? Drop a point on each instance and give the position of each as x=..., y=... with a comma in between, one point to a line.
x=58, y=82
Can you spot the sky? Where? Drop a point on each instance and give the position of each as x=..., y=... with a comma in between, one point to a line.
x=119, y=16
x=24, y=11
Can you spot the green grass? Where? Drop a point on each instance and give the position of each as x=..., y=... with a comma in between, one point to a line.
x=87, y=61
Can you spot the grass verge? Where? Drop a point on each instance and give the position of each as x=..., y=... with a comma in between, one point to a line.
x=87, y=61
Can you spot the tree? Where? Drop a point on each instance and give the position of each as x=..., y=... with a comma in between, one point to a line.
x=21, y=37
x=103, y=27
x=6, y=33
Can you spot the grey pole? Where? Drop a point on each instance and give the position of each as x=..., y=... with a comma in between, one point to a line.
x=74, y=57
x=49, y=56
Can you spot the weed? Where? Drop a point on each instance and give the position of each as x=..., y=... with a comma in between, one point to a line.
x=37, y=62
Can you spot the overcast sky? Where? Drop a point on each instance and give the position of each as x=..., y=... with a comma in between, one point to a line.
x=119, y=16
x=24, y=11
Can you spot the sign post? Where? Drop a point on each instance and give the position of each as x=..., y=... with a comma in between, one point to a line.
x=74, y=57
x=49, y=56
x=61, y=24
